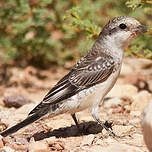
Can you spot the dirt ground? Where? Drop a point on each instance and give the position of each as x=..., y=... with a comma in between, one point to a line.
x=122, y=108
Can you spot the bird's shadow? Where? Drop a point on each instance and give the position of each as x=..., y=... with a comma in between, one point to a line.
x=84, y=128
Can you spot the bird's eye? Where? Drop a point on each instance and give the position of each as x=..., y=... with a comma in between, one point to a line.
x=123, y=26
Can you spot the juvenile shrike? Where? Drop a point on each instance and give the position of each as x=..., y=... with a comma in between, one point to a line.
x=86, y=85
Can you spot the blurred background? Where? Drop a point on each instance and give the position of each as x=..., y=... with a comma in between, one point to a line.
x=40, y=40
x=46, y=32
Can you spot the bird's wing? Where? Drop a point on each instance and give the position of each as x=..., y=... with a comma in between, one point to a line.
x=90, y=70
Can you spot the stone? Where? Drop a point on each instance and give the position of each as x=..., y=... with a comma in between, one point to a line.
x=8, y=149
x=2, y=150
x=19, y=147
x=121, y=90
x=140, y=81
x=135, y=113
x=86, y=118
x=50, y=140
x=116, y=147
x=126, y=69
x=20, y=140
x=1, y=144
x=15, y=101
x=134, y=121
x=137, y=139
x=146, y=123
x=88, y=140
x=57, y=146
x=25, y=109
x=150, y=84
x=95, y=148
x=38, y=146
x=140, y=100
x=138, y=64
x=3, y=126
x=121, y=130
x=118, y=109
x=113, y=102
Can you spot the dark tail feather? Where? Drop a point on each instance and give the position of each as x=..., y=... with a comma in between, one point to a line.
x=22, y=124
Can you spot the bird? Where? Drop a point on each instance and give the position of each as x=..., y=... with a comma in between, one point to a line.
x=91, y=78
x=146, y=124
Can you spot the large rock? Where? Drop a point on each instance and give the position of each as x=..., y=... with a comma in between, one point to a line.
x=121, y=90
x=138, y=64
x=15, y=101
x=140, y=100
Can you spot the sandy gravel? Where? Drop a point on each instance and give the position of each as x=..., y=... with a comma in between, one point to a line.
x=123, y=108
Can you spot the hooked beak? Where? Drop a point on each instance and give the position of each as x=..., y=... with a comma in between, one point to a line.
x=138, y=30
x=141, y=29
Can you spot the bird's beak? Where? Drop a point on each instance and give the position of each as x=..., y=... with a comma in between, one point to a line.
x=138, y=30
x=141, y=29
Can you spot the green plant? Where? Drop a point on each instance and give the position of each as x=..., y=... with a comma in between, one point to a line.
x=49, y=31
x=30, y=30
x=141, y=47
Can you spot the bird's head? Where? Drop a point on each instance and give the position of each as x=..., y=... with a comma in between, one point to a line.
x=120, y=30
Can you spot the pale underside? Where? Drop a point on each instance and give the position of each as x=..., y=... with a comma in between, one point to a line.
x=88, y=98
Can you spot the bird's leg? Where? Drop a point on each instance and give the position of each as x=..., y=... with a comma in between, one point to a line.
x=81, y=129
x=111, y=133
x=96, y=117
x=75, y=119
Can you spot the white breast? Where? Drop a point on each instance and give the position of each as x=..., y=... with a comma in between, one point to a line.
x=90, y=97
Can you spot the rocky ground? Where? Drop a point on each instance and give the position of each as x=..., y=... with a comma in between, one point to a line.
x=22, y=89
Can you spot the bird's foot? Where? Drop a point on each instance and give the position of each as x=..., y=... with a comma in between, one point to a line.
x=108, y=127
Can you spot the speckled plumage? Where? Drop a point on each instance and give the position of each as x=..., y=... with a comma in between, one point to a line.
x=91, y=78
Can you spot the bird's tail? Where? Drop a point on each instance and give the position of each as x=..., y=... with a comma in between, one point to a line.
x=27, y=121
